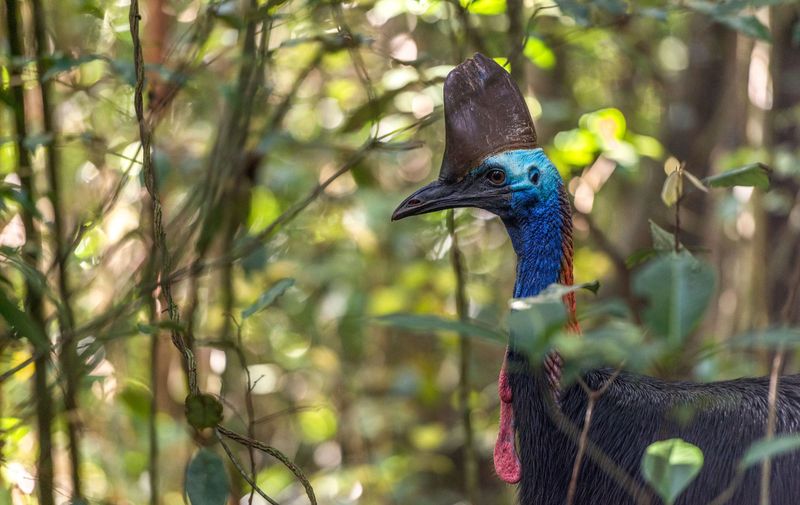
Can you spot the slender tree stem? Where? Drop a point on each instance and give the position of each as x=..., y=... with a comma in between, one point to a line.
x=576, y=468
x=151, y=184
x=516, y=41
x=465, y=352
x=152, y=422
x=68, y=356
x=678, y=224
x=31, y=253
x=472, y=36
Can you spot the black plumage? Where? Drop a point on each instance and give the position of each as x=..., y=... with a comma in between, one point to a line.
x=722, y=418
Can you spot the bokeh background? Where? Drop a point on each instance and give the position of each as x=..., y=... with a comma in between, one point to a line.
x=284, y=134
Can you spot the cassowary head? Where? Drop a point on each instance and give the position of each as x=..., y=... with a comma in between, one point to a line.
x=491, y=158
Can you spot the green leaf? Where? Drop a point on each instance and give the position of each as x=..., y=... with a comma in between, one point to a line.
x=206, y=479
x=677, y=288
x=535, y=320
x=575, y=10
x=695, y=181
x=754, y=174
x=431, y=323
x=613, y=343
x=726, y=13
x=269, y=297
x=608, y=308
x=670, y=466
x=539, y=54
x=65, y=63
x=91, y=8
x=264, y=209
x=31, y=274
x=747, y=25
x=662, y=239
x=641, y=256
x=533, y=323
x=554, y=292
x=16, y=194
x=613, y=7
x=136, y=397
x=485, y=7
x=22, y=323
x=764, y=449
x=672, y=189
x=203, y=411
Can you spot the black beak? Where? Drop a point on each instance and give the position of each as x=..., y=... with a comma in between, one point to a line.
x=435, y=196
x=439, y=195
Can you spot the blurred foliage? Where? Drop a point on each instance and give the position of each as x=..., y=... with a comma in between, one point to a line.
x=310, y=309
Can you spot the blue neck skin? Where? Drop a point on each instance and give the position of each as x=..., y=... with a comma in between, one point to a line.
x=536, y=237
x=532, y=215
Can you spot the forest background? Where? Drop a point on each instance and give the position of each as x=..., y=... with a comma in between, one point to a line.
x=196, y=200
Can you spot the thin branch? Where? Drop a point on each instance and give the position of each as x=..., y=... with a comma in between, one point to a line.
x=349, y=41
x=278, y=115
x=250, y=480
x=283, y=412
x=275, y=453
x=16, y=368
x=248, y=401
x=292, y=212
x=772, y=399
x=583, y=442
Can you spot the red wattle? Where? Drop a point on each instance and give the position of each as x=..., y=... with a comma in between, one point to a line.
x=506, y=463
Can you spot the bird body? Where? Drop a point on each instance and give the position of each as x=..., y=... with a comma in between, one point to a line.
x=523, y=188
x=636, y=411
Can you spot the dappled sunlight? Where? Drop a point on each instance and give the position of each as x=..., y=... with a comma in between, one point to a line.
x=211, y=254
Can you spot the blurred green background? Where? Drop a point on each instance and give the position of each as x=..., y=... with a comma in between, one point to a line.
x=255, y=105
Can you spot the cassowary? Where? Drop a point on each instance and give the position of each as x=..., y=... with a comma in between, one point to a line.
x=492, y=162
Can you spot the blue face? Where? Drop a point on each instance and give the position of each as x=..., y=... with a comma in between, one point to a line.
x=515, y=185
x=531, y=179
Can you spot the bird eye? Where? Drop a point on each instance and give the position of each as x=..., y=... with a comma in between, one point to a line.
x=535, y=177
x=496, y=176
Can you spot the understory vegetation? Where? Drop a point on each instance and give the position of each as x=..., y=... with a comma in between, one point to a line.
x=202, y=294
